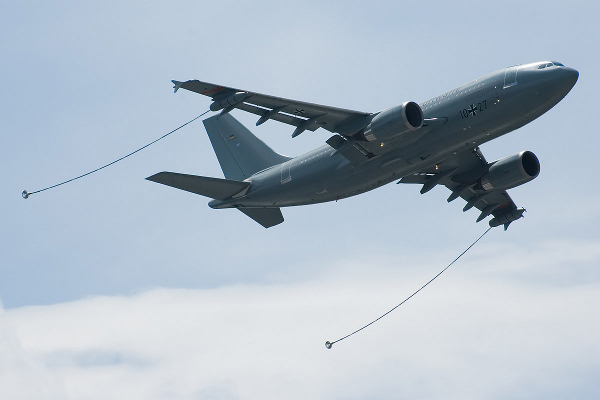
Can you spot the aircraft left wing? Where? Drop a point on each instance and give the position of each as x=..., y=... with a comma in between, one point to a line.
x=304, y=116
x=462, y=174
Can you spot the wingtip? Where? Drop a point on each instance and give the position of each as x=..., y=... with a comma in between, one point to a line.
x=177, y=85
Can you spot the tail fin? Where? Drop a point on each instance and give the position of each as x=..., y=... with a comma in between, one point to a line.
x=240, y=153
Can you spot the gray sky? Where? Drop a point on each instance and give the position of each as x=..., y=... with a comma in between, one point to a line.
x=113, y=286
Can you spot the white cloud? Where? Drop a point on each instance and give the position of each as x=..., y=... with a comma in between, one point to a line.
x=472, y=334
x=22, y=376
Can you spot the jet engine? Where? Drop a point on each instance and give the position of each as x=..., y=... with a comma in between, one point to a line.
x=393, y=122
x=510, y=172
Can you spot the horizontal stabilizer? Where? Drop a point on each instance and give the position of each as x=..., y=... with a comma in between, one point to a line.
x=267, y=217
x=219, y=189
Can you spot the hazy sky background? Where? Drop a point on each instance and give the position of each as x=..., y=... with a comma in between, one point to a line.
x=116, y=287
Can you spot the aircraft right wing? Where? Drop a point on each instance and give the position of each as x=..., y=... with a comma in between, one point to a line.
x=462, y=174
x=302, y=115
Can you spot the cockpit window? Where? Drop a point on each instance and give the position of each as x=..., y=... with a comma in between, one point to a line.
x=550, y=64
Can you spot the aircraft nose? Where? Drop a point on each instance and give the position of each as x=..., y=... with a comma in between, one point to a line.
x=570, y=76
x=565, y=80
x=554, y=82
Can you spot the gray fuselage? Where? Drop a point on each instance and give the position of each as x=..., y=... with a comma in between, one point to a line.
x=475, y=113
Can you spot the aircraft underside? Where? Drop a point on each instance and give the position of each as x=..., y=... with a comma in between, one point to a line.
x=432, y=143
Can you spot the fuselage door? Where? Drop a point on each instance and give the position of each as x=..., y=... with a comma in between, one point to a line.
x=510, y=77
x=286, y=174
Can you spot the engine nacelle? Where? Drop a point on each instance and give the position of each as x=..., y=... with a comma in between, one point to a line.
x=395, y=121
x=510, y=172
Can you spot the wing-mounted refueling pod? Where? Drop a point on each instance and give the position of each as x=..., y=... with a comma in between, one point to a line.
x=506, y=218
x=228, y=101
x=481, y=184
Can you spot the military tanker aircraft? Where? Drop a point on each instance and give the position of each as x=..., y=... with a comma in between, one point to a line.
x=432, y=143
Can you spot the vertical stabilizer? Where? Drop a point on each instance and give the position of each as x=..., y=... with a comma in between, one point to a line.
x=240, y=153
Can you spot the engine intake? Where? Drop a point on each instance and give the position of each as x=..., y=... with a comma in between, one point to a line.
x=395, y=121
x=510, y=172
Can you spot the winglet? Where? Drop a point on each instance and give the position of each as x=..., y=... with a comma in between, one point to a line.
x=177, y=85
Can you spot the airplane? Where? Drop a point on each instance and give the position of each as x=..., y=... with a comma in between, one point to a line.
x=432, y=143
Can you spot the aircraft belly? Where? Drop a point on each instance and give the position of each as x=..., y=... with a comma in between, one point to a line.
x=334, y=184
x=330, y=179
x=335, y=179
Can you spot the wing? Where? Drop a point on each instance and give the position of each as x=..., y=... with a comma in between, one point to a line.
x=304, y=116
x=461, y=174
